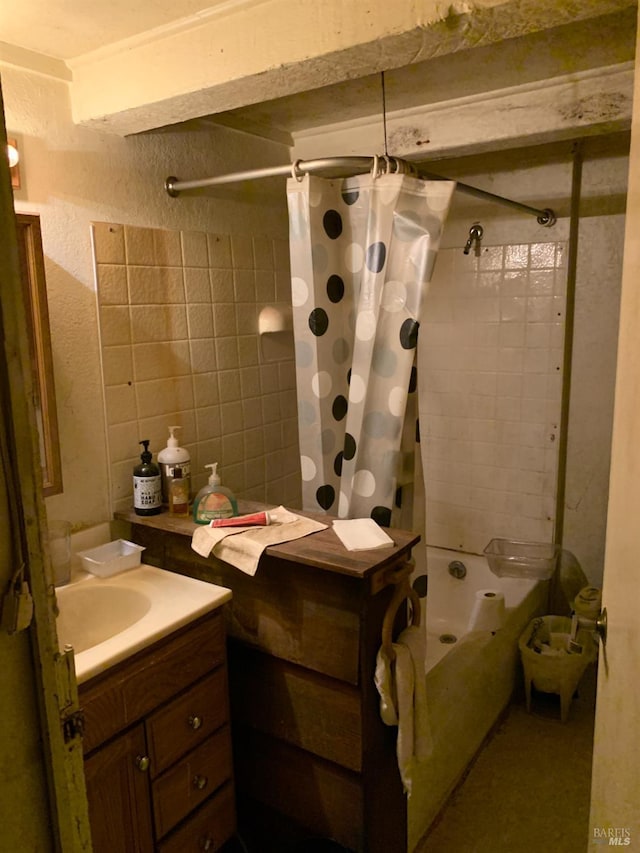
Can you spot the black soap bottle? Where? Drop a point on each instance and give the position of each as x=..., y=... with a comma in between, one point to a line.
x=147, y=484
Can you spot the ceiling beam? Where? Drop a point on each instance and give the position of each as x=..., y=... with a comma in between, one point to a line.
x=280, y=47
x=581, y=104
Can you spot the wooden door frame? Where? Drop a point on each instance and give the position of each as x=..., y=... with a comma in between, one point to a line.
x=53, y=672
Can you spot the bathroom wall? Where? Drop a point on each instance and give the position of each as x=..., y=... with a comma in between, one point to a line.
x=178, y=328
x=72, y=177
x=490, y=380
x=599, y=272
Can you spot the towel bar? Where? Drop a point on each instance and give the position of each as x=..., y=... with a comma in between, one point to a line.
x=402, y=591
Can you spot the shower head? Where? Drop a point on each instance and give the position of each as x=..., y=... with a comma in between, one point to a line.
x=475, y=236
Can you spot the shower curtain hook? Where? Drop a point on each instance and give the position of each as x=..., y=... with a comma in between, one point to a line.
x=374, y=168
x=299, y=176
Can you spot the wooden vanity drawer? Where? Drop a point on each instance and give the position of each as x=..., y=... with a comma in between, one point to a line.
x=208, y=828
x=189, y=782
x=187, y=721
x=132, y=689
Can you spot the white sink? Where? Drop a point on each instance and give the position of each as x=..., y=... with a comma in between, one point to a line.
x=92, y=613
x=107, y=619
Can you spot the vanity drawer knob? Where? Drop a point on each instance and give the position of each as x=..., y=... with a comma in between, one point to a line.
x=195, y=722
x=200, y=782
x=207, y=843
x=142, y=763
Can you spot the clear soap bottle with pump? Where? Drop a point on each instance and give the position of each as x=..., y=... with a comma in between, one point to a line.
x=214, y=500
x=169, y=458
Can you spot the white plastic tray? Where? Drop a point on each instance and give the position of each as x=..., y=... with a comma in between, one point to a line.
x=109, y=559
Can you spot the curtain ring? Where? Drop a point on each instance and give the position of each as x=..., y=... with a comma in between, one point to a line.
x=387, y=164
x=299, y=176
x=374, y=168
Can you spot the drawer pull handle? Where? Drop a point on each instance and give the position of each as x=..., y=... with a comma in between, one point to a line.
x=207, y=843
x=200, y=782
x=142, y=763
x=195, y=722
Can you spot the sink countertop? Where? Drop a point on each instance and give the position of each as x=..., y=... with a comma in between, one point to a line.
x=174, y=601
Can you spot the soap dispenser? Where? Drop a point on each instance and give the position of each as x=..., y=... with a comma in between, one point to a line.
x=147, y=490
x=213, y=500
x=169, y=457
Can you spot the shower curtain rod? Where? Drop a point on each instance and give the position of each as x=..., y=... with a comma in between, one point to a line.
x=358, y=165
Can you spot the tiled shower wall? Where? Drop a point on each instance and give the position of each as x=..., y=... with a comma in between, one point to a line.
x=178, y=316
x=491, y=385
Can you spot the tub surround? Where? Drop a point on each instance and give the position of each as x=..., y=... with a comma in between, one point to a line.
x=311, y=755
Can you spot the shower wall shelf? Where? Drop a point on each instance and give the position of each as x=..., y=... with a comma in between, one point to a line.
x=354, y=165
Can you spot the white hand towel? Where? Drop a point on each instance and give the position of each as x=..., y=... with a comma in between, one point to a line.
x=242, y=546
x=403, y=700
x=361, y=534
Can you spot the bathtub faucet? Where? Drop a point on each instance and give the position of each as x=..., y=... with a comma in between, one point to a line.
x=457, y=569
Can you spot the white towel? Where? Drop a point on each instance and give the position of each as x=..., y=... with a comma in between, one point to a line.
x=403, y=700
x=361, y=534
x=242, y=546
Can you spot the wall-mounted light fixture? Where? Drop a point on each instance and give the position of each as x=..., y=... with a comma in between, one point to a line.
x=14, y=162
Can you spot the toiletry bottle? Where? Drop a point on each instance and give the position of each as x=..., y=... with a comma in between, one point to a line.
x=178, y=493
x=147, y=489
x=168, y=458
x=213, y=500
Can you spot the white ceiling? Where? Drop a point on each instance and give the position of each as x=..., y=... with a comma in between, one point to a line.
x=65, y=29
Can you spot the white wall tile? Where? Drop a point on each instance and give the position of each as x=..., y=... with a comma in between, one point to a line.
x=178, y=349
x=492, y=335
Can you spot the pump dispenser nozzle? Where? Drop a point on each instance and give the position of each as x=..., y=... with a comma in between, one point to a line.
x=214, y=477
x=146, y=453
x=172, y=441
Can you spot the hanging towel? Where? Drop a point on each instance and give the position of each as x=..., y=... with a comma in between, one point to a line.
x=403, y=700
x=242, y=546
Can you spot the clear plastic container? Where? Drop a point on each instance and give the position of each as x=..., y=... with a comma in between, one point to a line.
x=511, y=558
x=109, y=559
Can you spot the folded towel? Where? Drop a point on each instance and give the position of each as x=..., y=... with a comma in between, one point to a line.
x=242, y=546
x=403, y=700
x=361, y=534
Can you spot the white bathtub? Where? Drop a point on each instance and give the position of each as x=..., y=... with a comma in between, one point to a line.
x=469, y=680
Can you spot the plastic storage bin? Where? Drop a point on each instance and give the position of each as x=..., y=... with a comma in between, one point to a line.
x=515, y=559
x=112, y=558
x=548, y=664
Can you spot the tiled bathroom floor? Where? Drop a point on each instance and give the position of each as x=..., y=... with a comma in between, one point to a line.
x=528, y=790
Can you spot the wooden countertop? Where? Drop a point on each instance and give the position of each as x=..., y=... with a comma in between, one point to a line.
x=322, y=549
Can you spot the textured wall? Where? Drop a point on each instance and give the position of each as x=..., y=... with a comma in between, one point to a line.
x=73, y=176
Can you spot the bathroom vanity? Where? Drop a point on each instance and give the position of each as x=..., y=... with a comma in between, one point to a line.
x=157, y=746
x=311, y=756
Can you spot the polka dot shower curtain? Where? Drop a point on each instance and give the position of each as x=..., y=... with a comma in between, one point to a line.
x=362, y=254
